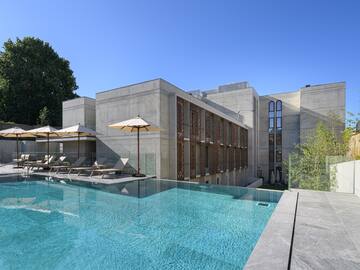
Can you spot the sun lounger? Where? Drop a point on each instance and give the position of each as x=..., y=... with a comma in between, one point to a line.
x=118, y=167
x=23, y=158
x=44, y=165
x=98, y=164
x=77, y=163
x=29, y=162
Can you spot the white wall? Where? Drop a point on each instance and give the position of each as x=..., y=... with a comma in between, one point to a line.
x=347, y=176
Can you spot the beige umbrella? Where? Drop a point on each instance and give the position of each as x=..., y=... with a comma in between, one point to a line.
x=77, y=130
x=46, y=131
x=138, y=125
x=17, y=133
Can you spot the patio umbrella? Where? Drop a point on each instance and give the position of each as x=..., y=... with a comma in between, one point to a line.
x=137, y=125
x=46, y=131
x=17, y=133
x=77, y=130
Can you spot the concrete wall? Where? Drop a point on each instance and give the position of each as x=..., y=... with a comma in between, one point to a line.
x=290, y=127
x=79, y=111
x=317, y=102
x=8, y=149
x=125, y=103
x=241, y=102
x=357, y=178
x=346, y=176
x=155, y=101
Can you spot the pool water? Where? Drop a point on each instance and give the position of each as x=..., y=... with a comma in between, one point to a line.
x=151, y=224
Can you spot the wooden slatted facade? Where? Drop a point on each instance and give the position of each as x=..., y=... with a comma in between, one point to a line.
x=194, y=138
x=180, y=139
x=214, y=148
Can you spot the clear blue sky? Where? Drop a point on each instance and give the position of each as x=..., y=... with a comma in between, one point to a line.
x=275, y=45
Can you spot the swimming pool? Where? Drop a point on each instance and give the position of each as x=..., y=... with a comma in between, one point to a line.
x=151, y=224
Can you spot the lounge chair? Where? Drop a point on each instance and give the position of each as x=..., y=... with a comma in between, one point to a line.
x=45, y=165
x=32, y=162
x=23, y=158
x=77, y=163
x=98, y=164
x=118, y=167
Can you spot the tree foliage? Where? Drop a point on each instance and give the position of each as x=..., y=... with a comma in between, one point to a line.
x=307, y=167
x=43, y=119
x=33, y=76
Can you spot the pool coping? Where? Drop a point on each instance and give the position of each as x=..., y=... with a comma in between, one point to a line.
x=273, y=249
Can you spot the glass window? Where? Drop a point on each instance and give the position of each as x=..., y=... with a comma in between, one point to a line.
x=271, y=157
x=278, y=138
x=278, y=105
x=271, y=139
x=278, y=156
x=271, y=123
x=279, y=122
x=271, y=106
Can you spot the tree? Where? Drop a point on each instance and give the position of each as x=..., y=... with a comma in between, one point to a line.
x=43, y=119
x=33, y=76
x=307, y=167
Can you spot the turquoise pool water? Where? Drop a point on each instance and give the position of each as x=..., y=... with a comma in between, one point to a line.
x=150, y=224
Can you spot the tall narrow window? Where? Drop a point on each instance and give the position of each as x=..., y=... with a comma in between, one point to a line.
x=279, y=126
x=271, y=119
x=271, y=116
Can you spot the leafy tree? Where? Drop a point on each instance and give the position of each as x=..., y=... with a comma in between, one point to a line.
x=307, y=166
x=43, y=117
x=33, y=76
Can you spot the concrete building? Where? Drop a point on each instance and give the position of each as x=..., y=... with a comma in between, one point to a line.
x=229, y=135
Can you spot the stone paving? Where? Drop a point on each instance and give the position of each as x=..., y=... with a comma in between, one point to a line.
x=325, y=235
x=327, y=231
x=6, y=170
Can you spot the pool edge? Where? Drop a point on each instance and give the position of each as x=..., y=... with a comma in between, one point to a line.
x=273, y=249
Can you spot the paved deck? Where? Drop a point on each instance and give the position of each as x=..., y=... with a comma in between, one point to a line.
x=6, y=170
x=324, y=235
x=327, y=231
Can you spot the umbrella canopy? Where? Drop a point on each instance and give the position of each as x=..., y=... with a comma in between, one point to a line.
x=134, y=125
x=17, y=133
x=77, y=130
x=138, y=125
x=46, y=131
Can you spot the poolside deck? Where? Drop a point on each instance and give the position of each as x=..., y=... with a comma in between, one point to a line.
x=326, y=231
x=310, y=230
x=6, y=170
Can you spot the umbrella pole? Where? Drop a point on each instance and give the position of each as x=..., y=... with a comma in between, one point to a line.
x=48, y=157
x=17, y=150
x=78, y=145
x=138, y=150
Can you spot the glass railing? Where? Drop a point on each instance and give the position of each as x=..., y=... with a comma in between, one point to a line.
x=335, y=173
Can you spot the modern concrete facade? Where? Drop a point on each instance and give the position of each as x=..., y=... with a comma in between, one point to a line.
x=226, y=135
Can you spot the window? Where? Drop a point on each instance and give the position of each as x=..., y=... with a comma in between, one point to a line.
x=271, y=106
x=275, y=136
x=271, y=124
x=271, y=116
x=278, y=140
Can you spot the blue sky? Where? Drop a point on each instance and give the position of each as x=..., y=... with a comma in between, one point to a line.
x=275, y=45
